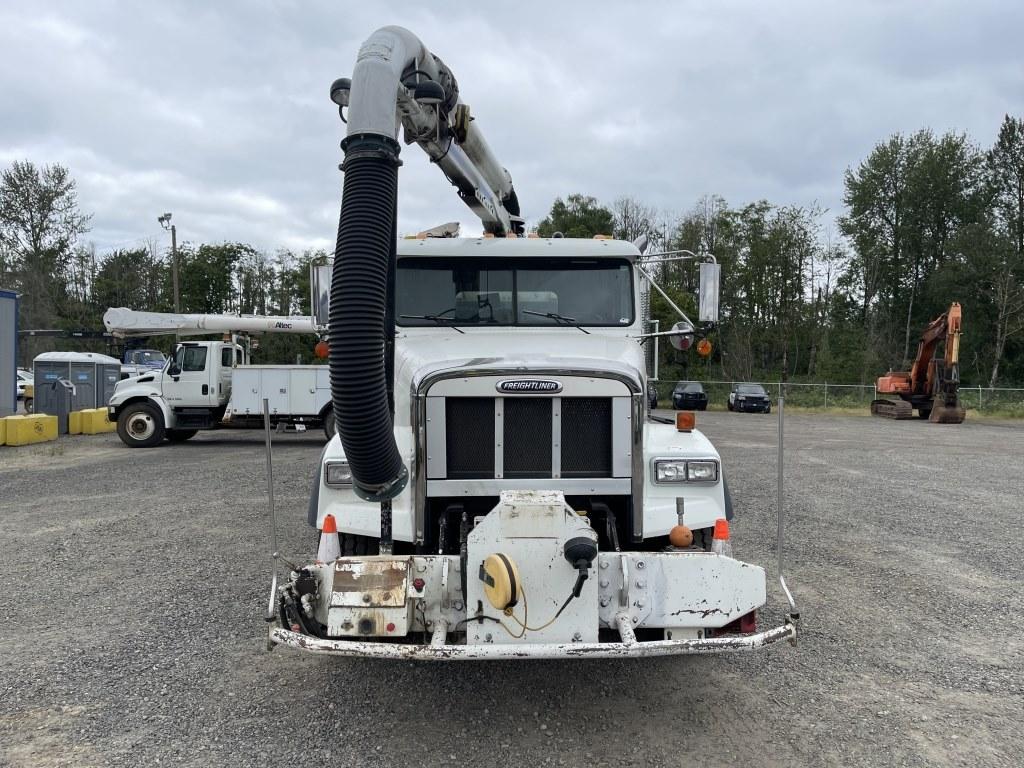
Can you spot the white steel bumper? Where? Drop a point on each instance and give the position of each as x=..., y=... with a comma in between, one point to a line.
x=439, y=650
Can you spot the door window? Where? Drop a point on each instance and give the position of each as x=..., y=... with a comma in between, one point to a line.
x=225, y=357
x=192, y=358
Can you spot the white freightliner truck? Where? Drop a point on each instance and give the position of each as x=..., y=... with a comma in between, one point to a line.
x=211, y=384
x=499, y=488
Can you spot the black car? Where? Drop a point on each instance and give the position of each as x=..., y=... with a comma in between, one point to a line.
x=749, y=398
x=689, y=396
x=652, y=394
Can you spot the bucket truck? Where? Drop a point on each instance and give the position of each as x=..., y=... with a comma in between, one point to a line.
x=211, y=384
x=498, y=488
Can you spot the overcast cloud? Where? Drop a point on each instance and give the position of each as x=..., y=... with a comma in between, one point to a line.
x=219, y=111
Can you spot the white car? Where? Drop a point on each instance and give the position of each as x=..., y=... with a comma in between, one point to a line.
x=24, y=379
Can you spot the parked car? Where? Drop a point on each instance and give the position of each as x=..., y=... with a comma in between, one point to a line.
x=24, y=379
x=749, y=397
x=689, y=396
x=652, y=394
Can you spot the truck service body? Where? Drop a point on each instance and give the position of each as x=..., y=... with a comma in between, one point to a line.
x=497, y=487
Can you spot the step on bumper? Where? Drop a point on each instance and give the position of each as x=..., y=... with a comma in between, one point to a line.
x=439, y=650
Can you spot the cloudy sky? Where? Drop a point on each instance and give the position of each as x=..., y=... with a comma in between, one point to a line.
x=219, y=111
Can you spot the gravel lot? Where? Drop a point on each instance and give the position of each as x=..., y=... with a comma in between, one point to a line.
x=134, y=584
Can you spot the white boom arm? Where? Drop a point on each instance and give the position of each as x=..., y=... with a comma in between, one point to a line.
x=122, y=322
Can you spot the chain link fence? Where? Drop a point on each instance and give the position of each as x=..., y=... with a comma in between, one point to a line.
x=1007, y=401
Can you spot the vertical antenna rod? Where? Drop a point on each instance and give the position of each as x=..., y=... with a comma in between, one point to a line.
x=271, y=607
x=781, y=543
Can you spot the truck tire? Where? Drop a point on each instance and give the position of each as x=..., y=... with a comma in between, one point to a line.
x=330, y=425
x=30, y=404
x=180, y=435
x=141, y=425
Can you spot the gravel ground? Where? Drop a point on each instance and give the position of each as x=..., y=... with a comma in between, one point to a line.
x=134, y=583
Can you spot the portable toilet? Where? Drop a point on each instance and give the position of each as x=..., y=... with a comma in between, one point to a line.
x=8, y=352
x=94, y=377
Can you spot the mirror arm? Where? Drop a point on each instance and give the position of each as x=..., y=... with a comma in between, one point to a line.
x=686, y=255
x=664, y=295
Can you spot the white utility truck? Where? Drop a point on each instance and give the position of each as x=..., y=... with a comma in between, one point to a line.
x=210, y=384
x=498, y=486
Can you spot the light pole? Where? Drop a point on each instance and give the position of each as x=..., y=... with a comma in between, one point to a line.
x=165, y=222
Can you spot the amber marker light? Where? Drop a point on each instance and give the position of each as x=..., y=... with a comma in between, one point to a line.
x=685, y=421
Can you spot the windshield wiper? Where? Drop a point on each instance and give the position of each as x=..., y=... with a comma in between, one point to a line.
x=436, y=318
x=557, y=317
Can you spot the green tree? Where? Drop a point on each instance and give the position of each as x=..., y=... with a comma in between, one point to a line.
x=577, y=216
x=132, y=278
x=905, y=204
x=1006, y=274
x=40, y=222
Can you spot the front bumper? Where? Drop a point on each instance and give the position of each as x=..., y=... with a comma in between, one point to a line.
x=755, y=407
x=380, y=606
x=439, y=650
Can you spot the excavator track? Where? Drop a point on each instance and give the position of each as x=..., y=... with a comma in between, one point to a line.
x=892, y=409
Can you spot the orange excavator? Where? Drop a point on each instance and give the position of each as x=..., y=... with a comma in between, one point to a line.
x=932, y=384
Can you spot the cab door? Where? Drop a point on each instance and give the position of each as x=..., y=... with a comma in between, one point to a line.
x=188, y=382
x=228, y=353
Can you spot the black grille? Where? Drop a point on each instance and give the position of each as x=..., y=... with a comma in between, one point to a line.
x=469, y=437
x=586, y=437
x=527, y=439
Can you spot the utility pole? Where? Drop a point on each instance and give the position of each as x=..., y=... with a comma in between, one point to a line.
x=174, y=268
x=164, y=221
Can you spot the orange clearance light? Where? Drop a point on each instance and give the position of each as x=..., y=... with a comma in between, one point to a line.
x=685, y=421
x=721, y=529
x=680, y=536
x=322, y=349
x=703, y=347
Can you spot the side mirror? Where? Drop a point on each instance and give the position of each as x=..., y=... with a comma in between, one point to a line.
x=710, y=276
x=320, y=292
x=173, y=370
x=682, y=335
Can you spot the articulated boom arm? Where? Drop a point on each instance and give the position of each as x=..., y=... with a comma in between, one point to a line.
x=946, y=327
x=123, y=322
x=397, y=81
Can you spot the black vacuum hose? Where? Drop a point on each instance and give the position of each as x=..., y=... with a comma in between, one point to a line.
x=358, y=324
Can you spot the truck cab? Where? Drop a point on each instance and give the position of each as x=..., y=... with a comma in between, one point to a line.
x=190, y=392
x=519, y=365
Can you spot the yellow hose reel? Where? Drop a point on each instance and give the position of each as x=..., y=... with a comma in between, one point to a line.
x=502, y=585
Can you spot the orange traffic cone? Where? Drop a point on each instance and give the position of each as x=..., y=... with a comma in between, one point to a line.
x=330, y=545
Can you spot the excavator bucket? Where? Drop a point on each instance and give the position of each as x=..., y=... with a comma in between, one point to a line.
x=947, y=414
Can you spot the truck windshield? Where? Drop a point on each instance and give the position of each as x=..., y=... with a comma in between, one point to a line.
x=147, y=357
x=511, y=291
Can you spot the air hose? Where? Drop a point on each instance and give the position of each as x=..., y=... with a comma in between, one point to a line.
x=358, y=326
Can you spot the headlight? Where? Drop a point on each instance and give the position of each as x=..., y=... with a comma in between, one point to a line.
x=670, y=471
x=338, y=473
x=682, y=471
x=702, y=471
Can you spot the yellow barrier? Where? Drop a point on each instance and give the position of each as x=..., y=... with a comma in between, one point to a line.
x=3, y=431
x=75, y=422
x=94, y=421
x=35, y=428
